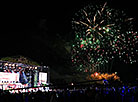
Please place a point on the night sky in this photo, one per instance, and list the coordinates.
(32, 29)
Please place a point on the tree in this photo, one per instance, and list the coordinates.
(20, 59)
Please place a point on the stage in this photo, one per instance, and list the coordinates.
(19, 75)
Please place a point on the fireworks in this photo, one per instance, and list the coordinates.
(128, 52)
(99, 76)
(102, 34)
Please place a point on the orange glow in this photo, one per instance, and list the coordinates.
(96, 74)
(106, 76)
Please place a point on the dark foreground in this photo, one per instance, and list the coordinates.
(89, 94)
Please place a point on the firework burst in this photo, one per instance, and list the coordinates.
(102, 34)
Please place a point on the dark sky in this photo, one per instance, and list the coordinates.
(27, 28)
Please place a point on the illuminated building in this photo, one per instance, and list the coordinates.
(19, 75)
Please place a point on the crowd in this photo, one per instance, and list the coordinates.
(87, 94)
